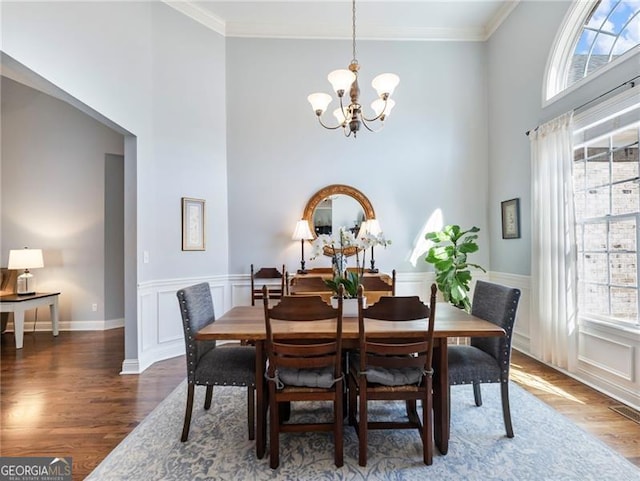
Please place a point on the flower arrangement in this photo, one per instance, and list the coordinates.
(342, 241)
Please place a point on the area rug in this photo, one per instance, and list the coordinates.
(546, 447)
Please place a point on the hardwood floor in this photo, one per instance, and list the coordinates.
(64, 396)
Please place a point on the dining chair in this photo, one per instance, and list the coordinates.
(487, 359)
(393, 369)
(309, 285)
(208, 364)
(261, 277)
(303, 369)
(378, 285)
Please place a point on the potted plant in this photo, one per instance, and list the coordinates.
(449, 254)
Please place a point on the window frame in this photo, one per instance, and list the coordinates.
(554, 85)
(603, 121)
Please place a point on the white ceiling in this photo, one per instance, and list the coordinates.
(471, 20)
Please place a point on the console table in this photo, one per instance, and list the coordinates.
(19, 304)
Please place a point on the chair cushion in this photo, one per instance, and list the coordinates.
(388, 376)
(322, 377)
(233, 365)
(468, 364)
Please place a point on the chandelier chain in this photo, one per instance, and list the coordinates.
(353, 25)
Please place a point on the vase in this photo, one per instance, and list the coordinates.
(349, 305)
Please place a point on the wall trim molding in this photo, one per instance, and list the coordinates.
(44, 326)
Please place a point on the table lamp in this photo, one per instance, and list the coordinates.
(25, 259)
(302, 233)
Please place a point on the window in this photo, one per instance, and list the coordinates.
(594, 34)
(611, 29)
(606, 175)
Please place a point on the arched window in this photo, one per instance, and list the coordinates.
(594, 34)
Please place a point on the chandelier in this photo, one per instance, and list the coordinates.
(350, 117)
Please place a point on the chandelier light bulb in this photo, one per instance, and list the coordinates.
(385, 84)
(341, 80)
(319, 102)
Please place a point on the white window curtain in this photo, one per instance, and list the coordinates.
(553, 251)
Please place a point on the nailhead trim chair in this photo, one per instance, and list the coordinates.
(487, 359)
(210, 365)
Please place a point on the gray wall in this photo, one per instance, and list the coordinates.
(517, 56)
(114, 236)
(53, 190)
(160, 76)
(431, 155)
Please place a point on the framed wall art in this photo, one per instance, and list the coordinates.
(192, 224)
(511, 219)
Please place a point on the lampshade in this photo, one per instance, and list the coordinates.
(302, 231)
(378, 106)
(385, 83)
(373, 226)
(341, 80)
(339, 115)
(319, 102)
(25, 258)
(363, 229)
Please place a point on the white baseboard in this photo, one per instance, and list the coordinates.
(69, 325)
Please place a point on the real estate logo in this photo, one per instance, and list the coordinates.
(35, 469)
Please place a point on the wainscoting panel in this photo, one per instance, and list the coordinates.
(169, 318)
(613, 357)
(147, 319)
(159, 321)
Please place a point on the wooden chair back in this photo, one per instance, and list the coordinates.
(307, 284)
(390, 353)
(263, 275)
(300, 353)
(382, 283)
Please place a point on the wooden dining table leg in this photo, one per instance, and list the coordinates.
(441, 411)
(261, 402)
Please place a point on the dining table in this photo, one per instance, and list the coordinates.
(248, 323)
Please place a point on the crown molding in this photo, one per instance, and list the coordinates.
(332, 33)
(502, 14)
(325, 31)
(198, 14)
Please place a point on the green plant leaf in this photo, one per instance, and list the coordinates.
(468, 247)
(449, 258)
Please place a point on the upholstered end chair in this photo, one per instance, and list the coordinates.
(487, 359)
(208, 364)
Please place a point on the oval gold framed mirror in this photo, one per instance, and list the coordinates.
(334, 206)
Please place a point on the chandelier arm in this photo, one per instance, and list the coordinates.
(379, 116)
(327, 126)
(364, 122)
